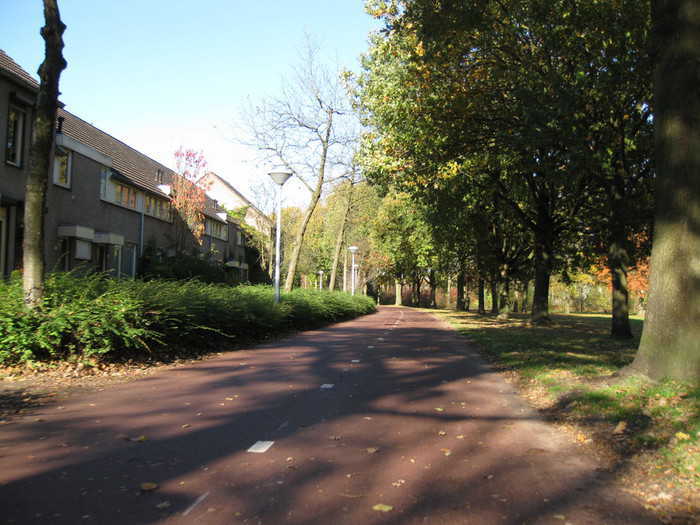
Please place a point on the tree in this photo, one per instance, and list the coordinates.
(306, 129)
(43, 133)
(188, 197)
(670, 344)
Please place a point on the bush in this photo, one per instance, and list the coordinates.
(96, 317)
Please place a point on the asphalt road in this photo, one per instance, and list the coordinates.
(390, 418)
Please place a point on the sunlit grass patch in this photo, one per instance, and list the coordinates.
(571, 365)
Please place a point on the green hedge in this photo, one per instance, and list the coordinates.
(90, 317)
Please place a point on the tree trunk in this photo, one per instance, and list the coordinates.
(618, 261)
(431, 280)
(543, 269)
(416, 291)
(315, 196)
(482, 298)
(526, 296)
(494, 295)
(40, 156)
(460, 290)
(398, 300)
(339, 239)
(448, 299)
(670, 345)
(505, 300)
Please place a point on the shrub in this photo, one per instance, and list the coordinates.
(98, 317)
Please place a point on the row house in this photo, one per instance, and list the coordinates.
(108, 205)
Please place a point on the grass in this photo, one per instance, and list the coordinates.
(568, 368)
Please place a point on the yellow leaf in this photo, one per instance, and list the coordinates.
(148, 486)
(381, 507)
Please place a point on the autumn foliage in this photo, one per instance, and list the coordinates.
(188, 193)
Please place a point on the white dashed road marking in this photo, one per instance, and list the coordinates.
(261, 447)
(199, 500)
(327, 386)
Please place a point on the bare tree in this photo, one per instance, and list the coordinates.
(306, 129)
(43, 133)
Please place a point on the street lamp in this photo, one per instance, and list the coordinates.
(279, 177)
(320, 279)
(353, 250)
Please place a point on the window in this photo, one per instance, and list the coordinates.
(159, 176)
(216, 229)
(62, 168)
(15, 136)
(125, 195)
(157, 208)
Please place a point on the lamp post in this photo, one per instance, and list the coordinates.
(320, 279)
(279, 177)
(353, 250)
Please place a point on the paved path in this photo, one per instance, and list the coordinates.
(413, 420)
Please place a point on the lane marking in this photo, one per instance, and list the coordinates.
(260, 447)
(199, 500)
(327, 386)
(355, 360)
(370, 348)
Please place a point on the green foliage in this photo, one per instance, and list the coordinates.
(95, 317)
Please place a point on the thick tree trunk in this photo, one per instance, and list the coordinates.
(481, 298)
(416, 291)
(526, 296)
(339, 240)
(431, 281)
(398, 300)
(670, 345)
(40, 154)
(460, 290)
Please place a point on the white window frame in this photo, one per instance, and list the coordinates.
(69, 168)
(19, 136)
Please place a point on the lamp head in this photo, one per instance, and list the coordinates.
(353, 249)
(280, 176)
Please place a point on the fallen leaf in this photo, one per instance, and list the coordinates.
(335, 438)
(381, 507)
(682, 436)
(398, 482)
(460, 436)
(446, 451)
(442, 433)
(290, 459)
(163, 505)
(138, 439)
(229, 399)
(439, 409)
(186, 425)
(372, 450)
(149, 486)
(620, 428)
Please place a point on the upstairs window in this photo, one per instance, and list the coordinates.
(157, 208)
(15, 136)
(216, 229)
(125, 195)
(159, 176)
(62, 168)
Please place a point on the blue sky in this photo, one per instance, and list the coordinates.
(161, 73)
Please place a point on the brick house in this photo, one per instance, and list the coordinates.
(107, 204)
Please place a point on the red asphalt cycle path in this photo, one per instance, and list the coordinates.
(414, 421)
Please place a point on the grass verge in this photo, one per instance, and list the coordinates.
(568, 371)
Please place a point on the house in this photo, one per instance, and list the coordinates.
(224, 193)
(107, 204)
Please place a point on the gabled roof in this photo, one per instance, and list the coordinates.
(14, 71)
(134, 165)
(238, 194)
